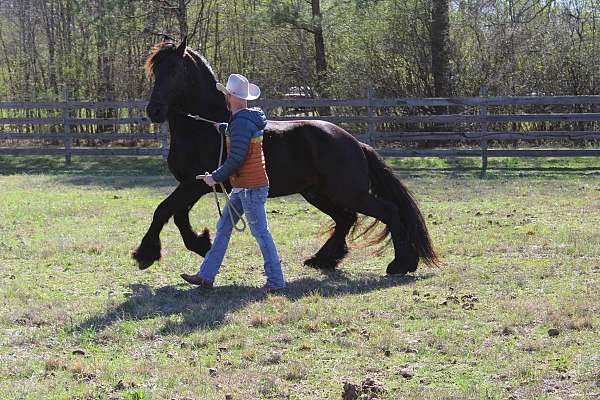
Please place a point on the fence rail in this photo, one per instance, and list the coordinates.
(64, 123)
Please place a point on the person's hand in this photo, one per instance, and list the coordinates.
(216, 125)
(208, 179)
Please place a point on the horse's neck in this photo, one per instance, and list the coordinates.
(189, 135)
(217, 110)
(193, 144)
(205, 102)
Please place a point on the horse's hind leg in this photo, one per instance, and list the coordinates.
(335, 248)
(405, 256)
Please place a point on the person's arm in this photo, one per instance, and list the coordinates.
(240, 143)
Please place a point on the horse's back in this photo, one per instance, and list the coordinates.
(308, 155)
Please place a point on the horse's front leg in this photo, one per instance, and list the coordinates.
(185, 195)
(198, 243)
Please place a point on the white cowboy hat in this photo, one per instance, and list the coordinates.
(238, 86)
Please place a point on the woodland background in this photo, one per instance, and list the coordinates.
(327, 48)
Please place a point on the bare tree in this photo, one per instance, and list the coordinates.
(291, 14)
(440, 60)
(179, 9)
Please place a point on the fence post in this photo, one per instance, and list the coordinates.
(370, 124)
(483, 128)
(265, 108)
(164, 140)
(66, 117)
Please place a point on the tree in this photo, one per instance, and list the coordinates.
(440, 60)
(404, 47)
(293, 14)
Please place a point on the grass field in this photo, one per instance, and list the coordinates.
(513, 313)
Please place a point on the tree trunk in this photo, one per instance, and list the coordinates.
(320, 59)
(181, 13)
(48, 11)
(440, 64)
(24, 23)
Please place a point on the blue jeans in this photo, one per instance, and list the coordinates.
(252, 203)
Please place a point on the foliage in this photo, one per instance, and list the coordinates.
(96, 48)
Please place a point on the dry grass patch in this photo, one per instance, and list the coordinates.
(261, 320)
(574, 316)
(79, 370)
(292, 313)
(525, 311)
(294, 371)
(313, 325)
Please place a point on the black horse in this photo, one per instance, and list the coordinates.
(325, 164)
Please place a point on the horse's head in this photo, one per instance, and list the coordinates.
(167, 65)
(183, 80)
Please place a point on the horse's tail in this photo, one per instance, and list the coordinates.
(386, 185)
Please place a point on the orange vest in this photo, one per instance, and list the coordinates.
(252, 172)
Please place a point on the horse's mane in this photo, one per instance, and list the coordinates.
(165, 48)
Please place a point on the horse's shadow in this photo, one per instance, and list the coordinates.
(203, 309)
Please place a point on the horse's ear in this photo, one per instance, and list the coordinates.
(182, 46)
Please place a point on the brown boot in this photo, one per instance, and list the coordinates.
(196, 280)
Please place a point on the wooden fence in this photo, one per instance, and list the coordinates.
(66, 122)
(395, 127)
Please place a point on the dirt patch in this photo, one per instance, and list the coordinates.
(369, 389)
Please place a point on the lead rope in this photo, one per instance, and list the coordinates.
(229, 203)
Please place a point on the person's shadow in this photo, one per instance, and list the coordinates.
(205, 308)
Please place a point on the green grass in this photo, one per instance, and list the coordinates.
(520, 252)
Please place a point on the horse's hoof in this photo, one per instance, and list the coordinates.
(145, 256)
(142, 264)
(320, 263)
(400, 268)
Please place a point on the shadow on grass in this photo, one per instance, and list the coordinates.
(119, 182)
(80, 165)
(134, 171)
(205, 308)
(109, 172)
(498, 168)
